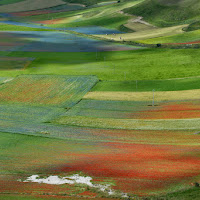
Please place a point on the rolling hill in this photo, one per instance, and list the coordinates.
(167, 12)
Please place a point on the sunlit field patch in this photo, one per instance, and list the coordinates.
(144, 96)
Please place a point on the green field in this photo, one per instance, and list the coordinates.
(88, 2)
(148, 85)
(3, 79)
(28, 114)
(93, 16)
(129, 124)
(3, 2)
(116, 66)
(7, 63)
(167, 13)
(187, 37)
(7, 27)
(194, 26)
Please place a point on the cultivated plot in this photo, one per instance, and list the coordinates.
(136, 110)
(46, 90)
(115, 164)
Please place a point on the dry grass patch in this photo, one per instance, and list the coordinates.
(146, 34)
(131, 124)
(30, 5)
(145, 96)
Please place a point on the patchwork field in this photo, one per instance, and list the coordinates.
(46, 90)
(85, 117)
(21, 113)
(148, 115)
(136, 110)
(87, 157)
(145, 96)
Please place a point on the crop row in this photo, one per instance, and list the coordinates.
(136, 110)
(30, 114)
(46, 89)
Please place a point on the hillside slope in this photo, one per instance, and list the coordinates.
(29, 5)
(88, 2)
(167, 12)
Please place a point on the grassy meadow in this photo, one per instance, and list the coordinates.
(187, 37)
(134, 65)
(167, 13)
(5, 2)
(9, 27)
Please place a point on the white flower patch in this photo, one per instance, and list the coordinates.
(53, 180)
(74, 179)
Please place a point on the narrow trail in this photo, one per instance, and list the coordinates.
(136, 19)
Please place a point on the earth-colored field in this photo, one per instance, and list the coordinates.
(145, 96)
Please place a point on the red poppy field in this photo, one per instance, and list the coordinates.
(176, 110)
(136, 169)
(137, 110)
